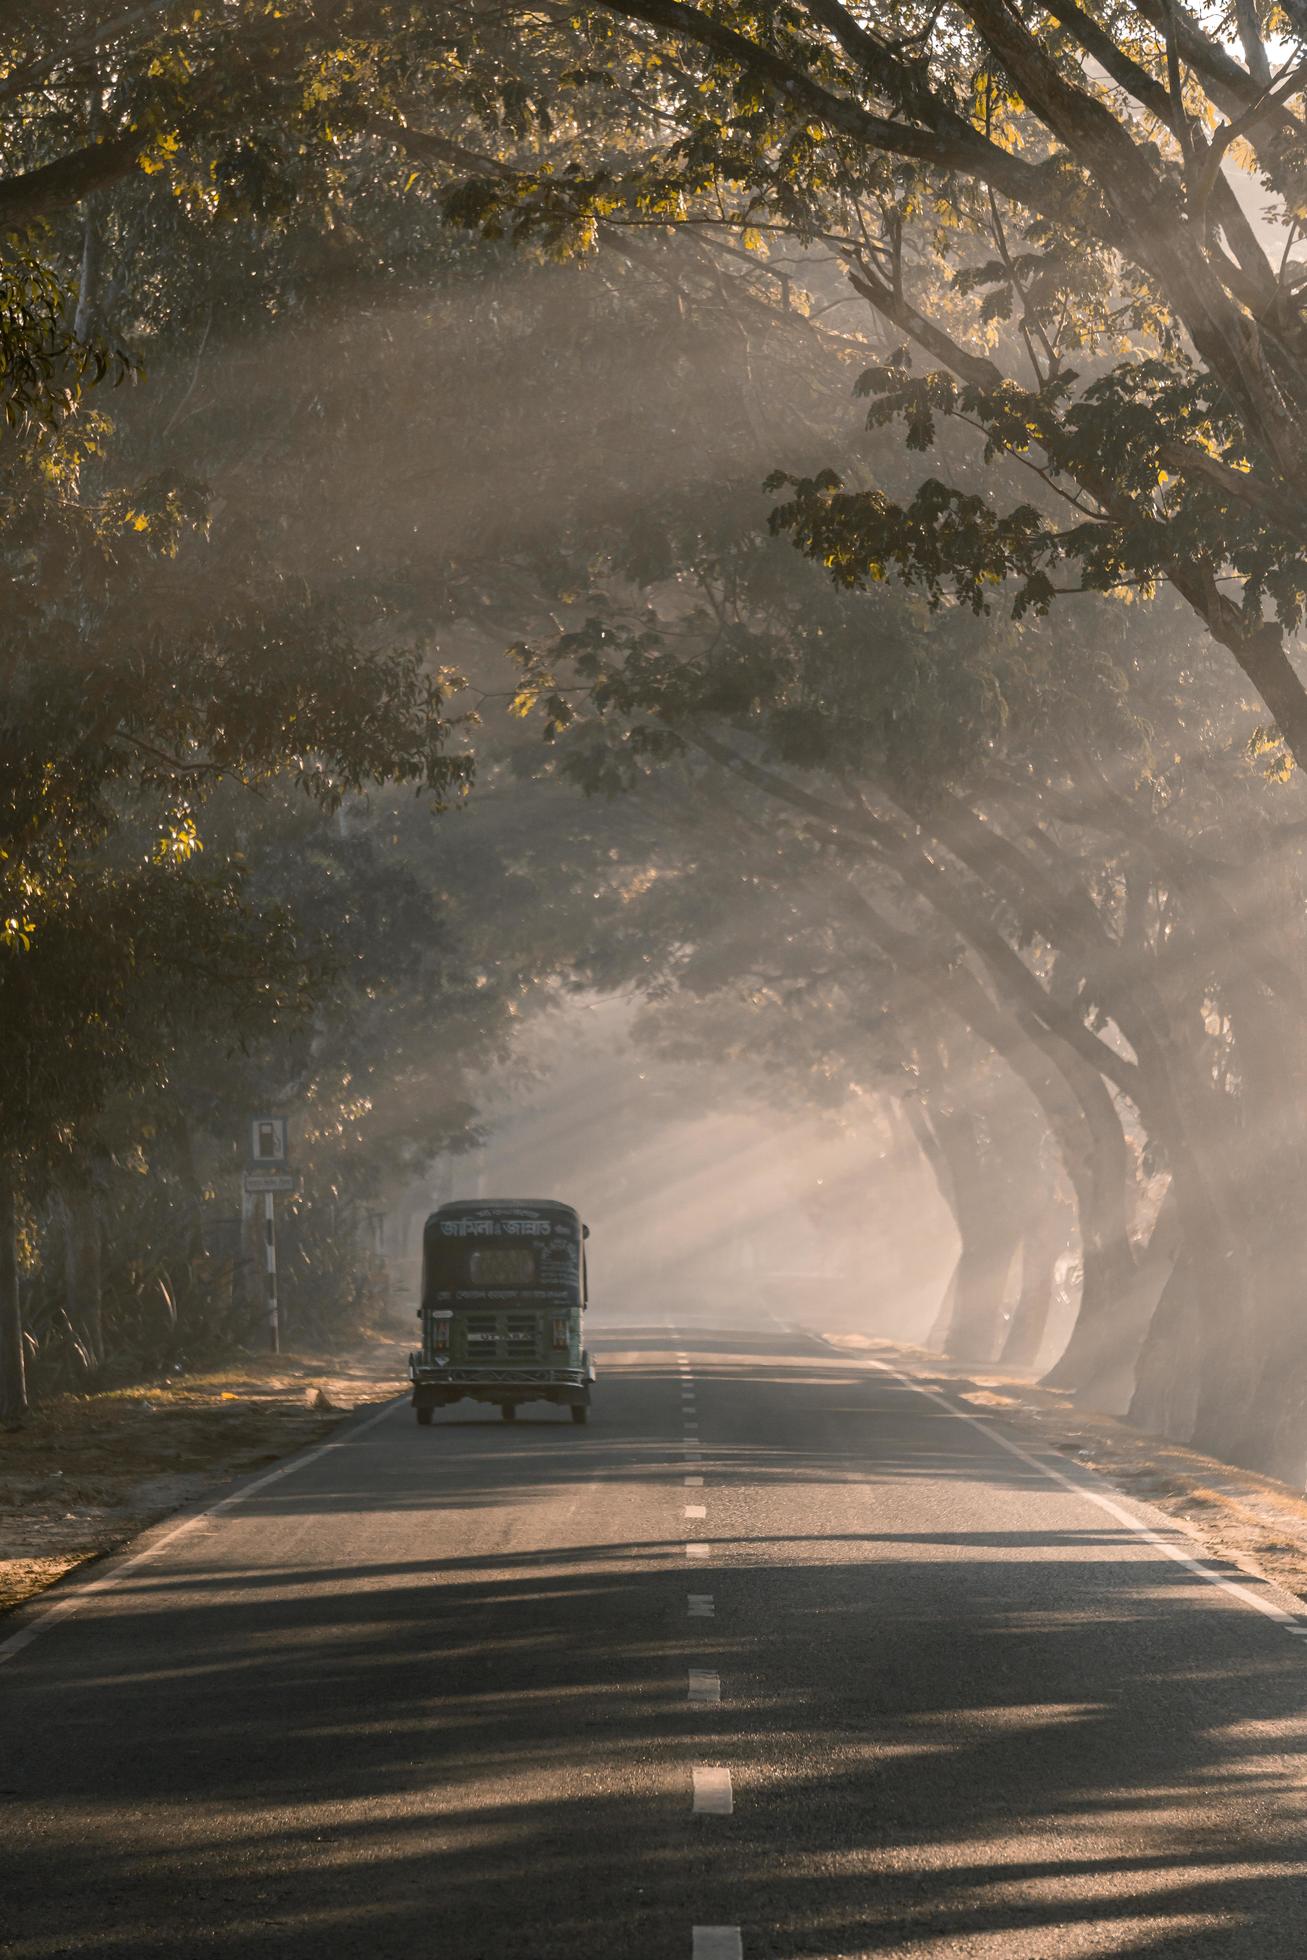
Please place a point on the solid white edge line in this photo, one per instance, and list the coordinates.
(79, 1595)
(1100, 1498)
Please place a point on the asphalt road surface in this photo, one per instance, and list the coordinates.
(780, 1656)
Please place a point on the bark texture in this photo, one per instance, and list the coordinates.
(13, 1370)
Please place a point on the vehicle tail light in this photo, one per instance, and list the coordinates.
(560, 1330)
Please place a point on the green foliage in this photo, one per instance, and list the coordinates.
(223, 588)
(943, 541)
(43, 368)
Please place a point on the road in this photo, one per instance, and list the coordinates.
(450, 1692)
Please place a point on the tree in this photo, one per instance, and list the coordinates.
(985, 802)
(972, 780)
(1086, 151)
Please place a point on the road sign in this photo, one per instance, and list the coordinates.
(269, 1148)
(267, 1178)
(271, 1183)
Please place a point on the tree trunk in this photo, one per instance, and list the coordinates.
(178, 1133)
(1083, 1121)
(1224, 1366)
(13, 1369)
(1252, 1395)
(988, 1250)
(1251, 1399)
(923, 1130)
(937, 1338)
(988, 1232)
(1044, 1242)
(1166, 1390)
(86, 319)
(1099, 1168)
(82, 1269)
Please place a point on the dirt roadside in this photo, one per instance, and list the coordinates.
(87, 1472)
(1253, 1521)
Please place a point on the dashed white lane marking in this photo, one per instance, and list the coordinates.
(691, 1482)
(700, 1606)
(713, 1796)
(70, 1601)
(704, 1685)
(696, 1510)
(696, 1551)
(716, 1943)
(1100, 1498)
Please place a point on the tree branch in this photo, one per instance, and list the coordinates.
(919, 872)
(56, 186)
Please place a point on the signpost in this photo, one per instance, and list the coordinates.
(269, 1183)
(268, 1144)
(267, 1175)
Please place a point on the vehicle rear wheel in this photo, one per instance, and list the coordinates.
(508, 1410)
(580, 1412)
(424, 1416)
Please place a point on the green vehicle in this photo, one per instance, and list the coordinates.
(503, 1294)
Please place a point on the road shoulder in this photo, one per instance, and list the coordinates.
(1250, 1521)
(88, 1473)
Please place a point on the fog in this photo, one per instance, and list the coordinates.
(701, 1201)
(850, 949)
(928, 998)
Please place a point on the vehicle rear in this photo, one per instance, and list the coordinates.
(502, 1308)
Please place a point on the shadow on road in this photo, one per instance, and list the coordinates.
(949, 1733)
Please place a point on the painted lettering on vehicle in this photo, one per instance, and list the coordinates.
(494, 1228)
